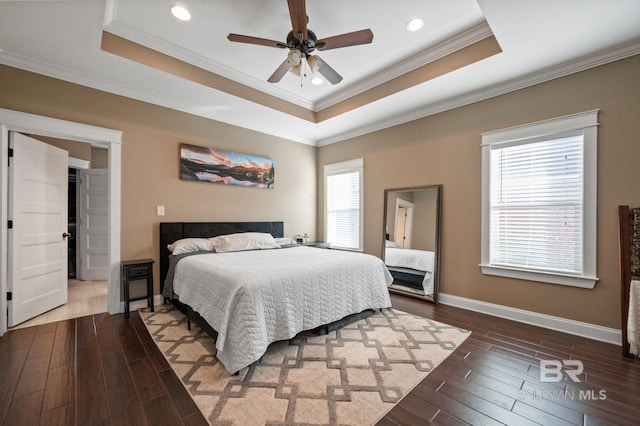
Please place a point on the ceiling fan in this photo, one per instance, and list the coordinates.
(301, 41)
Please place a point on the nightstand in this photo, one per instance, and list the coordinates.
(317, 244)
(136, 270)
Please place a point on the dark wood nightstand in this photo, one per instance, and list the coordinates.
(134, 270)
(317, 244)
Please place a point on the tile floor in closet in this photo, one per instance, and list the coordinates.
(84, 298)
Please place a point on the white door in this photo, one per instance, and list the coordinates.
(93, 224)
(37, 259)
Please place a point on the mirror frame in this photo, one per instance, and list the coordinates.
(437, 255)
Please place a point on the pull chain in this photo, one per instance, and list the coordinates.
(304, 71)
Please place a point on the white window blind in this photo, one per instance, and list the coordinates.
(539, 201)
(536, 205)
(343, 188)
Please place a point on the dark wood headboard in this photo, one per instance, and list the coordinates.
(172, 231)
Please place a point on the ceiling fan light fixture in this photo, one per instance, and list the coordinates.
(294, 57)
(295, 70)
(317, 81)
(415, 24)
(180, 12)
(314, 63)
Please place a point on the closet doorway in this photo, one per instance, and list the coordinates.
(87, 230)
(108, 139)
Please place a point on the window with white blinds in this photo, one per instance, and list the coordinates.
(539, 201)
(536, 205)
(343, 201)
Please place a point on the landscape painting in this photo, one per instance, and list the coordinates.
(200, 163)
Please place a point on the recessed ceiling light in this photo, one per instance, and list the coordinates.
(316, 81)
(415, 24)
(180, 12)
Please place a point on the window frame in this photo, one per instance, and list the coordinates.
(349, 166)
(585, 124)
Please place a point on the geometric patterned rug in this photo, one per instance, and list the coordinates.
(352, 376)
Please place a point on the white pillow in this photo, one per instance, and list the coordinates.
(391, 244)
(285, 241)
(244, 241)
(188, 245)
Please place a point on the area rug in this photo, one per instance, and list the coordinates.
(352, 376)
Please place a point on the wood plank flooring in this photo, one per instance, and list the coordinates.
(106, 370)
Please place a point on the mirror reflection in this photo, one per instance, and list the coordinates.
(412, 240)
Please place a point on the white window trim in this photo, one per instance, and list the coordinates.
(585, 123)
(346, 166)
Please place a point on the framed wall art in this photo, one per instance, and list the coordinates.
(200, 163)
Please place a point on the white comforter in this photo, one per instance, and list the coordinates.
(254, 298)
(419, 260)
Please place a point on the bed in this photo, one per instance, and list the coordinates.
(629, 240)
(249, 299)
(411, 267)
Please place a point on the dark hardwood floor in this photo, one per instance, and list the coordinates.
(106, 370)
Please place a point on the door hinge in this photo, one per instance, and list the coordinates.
(9, 295)
(10, 224)
(10, 156)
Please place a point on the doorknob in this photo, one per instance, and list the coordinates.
(66, 235)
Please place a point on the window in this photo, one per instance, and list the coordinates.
(343, 204)
(539, 201)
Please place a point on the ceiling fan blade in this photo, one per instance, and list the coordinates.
(343, 40)
(256, 40)
(298, 13)
(329, 73)
(280, 72)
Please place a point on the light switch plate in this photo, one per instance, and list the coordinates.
(160, 210)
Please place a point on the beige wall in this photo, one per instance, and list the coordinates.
(446, 150)
(150, 161)
(447, 146)
(425, 209)
(99, 158)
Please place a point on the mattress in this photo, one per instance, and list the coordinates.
(254, 298)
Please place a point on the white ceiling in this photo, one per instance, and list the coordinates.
(540, 40)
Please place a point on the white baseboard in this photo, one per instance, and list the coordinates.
(591, 331)
(142, 303)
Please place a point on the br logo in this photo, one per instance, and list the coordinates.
(554, 370)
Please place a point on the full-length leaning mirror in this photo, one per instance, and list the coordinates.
(411, 233)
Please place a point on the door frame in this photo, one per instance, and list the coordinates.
(15, 121)
(408, 223)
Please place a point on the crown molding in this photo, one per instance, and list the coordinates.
(110, 11)
(623, 51)
(150, 41)
(440, 50)
(54, 71)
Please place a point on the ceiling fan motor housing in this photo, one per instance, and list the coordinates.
(305, 46)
